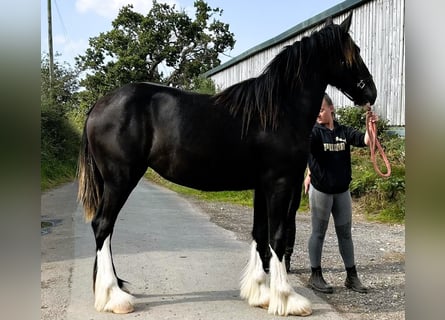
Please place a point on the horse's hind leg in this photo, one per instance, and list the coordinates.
(291, 228)
(108, 293)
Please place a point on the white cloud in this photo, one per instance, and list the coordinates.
(75, 47)
(69, 48)
(110, 8)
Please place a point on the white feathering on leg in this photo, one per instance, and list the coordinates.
(283, 299)
(108, 295)
(253, 281)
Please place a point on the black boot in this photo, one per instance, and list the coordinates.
(353, 282)
(317, 282)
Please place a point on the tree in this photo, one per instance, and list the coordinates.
(164, 46)
(64, 85)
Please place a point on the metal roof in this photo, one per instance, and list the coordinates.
(301, 27)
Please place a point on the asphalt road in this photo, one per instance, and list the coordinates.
(178, 264)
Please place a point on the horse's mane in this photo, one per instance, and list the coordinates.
(262, 96)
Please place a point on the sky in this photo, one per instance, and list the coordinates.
(251, 21)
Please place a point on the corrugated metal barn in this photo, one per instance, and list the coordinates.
(378, 28)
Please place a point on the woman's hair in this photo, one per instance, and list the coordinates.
(328, 99)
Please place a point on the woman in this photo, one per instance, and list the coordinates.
(327, 180)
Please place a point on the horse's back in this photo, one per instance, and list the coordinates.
(182, 135)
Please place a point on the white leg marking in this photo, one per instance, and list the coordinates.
(283, 298)
(108, 295)
(254, 288)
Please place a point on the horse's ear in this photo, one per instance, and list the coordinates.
(329, 22)
(346, 24)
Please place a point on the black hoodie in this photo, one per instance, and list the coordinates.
(330, 157)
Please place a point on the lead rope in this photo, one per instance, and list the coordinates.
(371, 128)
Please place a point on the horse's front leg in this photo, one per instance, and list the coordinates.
(254, 287)
(283, 298)
(108, 293)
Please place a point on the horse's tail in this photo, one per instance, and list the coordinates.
(90, 180)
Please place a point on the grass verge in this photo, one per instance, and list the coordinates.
(244, 198)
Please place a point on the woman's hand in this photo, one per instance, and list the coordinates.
(307, 183)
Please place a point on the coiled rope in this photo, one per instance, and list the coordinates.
(371, 128)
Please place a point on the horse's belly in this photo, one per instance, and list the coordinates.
(210, 173)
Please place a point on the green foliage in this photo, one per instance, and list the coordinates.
(203, 85)
(59, 139)
(65, 83)
(59, 149)
(304, 202)
(164, 46)
(381, 199)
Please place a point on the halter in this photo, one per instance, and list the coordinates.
(361, 84)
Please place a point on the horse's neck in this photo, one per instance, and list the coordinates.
(311, 80)
(306, 103)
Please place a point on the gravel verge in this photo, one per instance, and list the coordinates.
(379, 255)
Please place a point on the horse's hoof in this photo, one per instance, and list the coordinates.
(122, 309)
(264, 306)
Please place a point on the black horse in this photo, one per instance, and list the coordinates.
(253, 135)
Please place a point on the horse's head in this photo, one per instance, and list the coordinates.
(346, 69)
